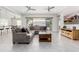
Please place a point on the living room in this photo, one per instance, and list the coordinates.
(39, 28)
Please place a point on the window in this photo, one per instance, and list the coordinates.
(39, 21)
(3, 22)
(18, 22)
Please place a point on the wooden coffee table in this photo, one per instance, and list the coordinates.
(45, 36)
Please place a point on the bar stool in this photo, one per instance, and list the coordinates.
(7, 29)
(1, 29)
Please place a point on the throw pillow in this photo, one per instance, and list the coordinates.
(23, 30)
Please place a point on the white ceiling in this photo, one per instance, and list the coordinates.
(66, 10)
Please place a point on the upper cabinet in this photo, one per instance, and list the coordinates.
(72, 20)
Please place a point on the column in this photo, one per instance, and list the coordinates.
(55, 23)
(61, 21)
(24, 21)
(13, 21)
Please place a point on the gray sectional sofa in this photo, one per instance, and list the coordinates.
(41, 28)
(22, 37)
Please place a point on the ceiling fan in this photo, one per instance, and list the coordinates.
(29, 8)
(49, 8)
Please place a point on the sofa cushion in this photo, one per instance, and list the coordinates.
(27, 30)
(23, 30)
(18, 30)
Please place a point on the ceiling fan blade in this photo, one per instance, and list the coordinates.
(49, 8)
(52, 7)
(27, 7)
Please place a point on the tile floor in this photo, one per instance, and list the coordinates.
(59, 44)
